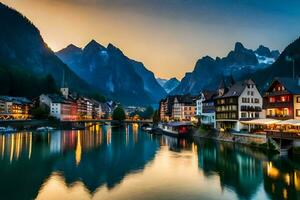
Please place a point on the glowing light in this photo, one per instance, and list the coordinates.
(30, 145)
(78, 150)
(272, 171)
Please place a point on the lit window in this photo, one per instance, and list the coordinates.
(286, 111)
(298, 112)
(272, 99)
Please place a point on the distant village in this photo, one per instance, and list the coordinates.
(238, 106)
(66, 106)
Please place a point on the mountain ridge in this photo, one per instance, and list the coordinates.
(124, 79)
(238, 63)
(22, 46)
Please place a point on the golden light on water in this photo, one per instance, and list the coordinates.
(78, 149)
(272, 171)
(15, 145)
(174, 171)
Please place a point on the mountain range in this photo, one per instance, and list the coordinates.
(168, 85)
(108, 70)
(22, 47)
(282, 67)
(238, 63)
(25, 57)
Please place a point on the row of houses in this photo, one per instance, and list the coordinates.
(234, 103)
(14, 108)
(64, 106)
(68, 107)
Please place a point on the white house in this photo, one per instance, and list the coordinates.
(241, 102)
(205, 108)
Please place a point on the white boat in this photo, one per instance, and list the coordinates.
(7, 129)
(45, 129)
(148, 129)
(176, 129)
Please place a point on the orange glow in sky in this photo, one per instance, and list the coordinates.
(167, 36)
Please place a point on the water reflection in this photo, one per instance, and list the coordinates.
(237, 170)
(111, 163)
(281, 180)
(15, 146)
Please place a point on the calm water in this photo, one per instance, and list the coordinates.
(106, 163)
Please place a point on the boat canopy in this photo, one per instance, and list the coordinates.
(179, 124)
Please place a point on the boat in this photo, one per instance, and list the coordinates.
(176, 129)
(156, 131)
(45, 129)
(148, 129)
(7, 129)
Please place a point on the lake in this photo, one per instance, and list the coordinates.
(126, 163)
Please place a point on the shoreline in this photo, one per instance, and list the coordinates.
(261, 146)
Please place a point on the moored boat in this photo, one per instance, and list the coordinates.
(45, 129)
(176, 129)
(7, 129)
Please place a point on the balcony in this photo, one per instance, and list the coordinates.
(268, 104)
(251, 108)
(276, 93)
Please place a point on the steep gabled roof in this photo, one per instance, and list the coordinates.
(16, 100)
(209, 95)
(237, 89)
(290, 84)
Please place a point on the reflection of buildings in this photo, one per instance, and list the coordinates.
(80, 156)
(281, 180)
(109, 157)
(176, 144)
(15, 146)
(237, 170)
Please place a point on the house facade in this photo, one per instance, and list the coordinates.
(184, 108)
(282, 99)
(166, 108)
(240, 102)
(14, 108)
(205, 108)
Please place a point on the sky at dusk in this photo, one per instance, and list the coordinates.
(168, 36)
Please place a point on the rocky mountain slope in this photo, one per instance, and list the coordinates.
(22, 47)
(168, 85)
(113, 73)
(238, 63)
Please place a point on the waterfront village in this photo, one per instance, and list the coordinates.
(234, 110)
(238, 112)
(65, 106)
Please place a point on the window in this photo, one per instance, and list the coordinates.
(244, 115)
(298, 112)
(270, 112)
(285, 111)
(272, 99)
(298, 99)
(252, 93)
(256, 100)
